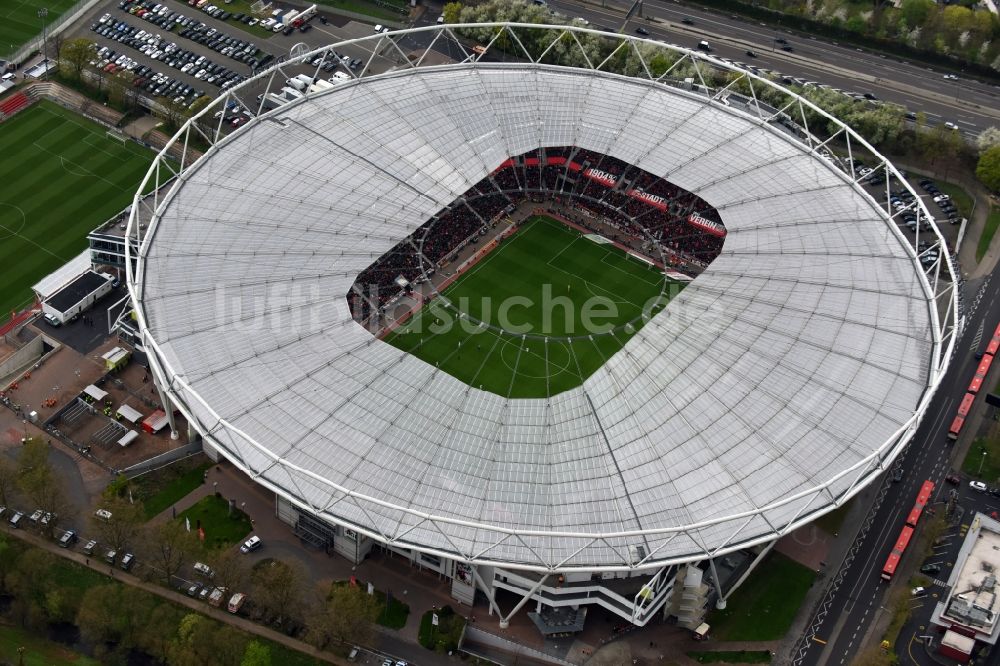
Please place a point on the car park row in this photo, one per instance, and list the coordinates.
(157, 48)
(162, 16)
(126, 560)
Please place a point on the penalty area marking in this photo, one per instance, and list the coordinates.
(11, 232)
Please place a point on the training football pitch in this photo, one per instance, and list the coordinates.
(539, 314)
(19, 20)
(61, 177)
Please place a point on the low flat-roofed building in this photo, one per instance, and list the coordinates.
(77, 296)
(971, 604)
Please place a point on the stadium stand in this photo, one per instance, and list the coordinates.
(11, 105)
(644, 208)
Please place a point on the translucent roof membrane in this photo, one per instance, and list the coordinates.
(750, 402)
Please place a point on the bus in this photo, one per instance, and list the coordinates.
(889, 570)
(923, 497)
(956, 428)
(981, 372)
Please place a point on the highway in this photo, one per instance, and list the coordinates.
(971, 104)
(856, 596)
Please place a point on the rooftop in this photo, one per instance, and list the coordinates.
(767, 391)
(76, 291)
(973, 599)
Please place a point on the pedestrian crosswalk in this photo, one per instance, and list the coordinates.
(978, 337)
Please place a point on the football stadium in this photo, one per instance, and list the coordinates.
(567, 317)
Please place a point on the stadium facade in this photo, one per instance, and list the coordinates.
(785, 378)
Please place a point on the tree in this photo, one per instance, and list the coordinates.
(74, 56)
(120, 88)
(452, 12)
(8, 481)
(348, 614)
(99, 614)
(172, 113)
(988, 169)
(202, 641)
(167, 547)
(231, 569)
(121, 529)
(256, 654)
(279, 589)
(157, 628)
(916, 12)
(988, 138)
(29, 582)
(37, 479)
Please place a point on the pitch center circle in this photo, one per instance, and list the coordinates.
(560, 293)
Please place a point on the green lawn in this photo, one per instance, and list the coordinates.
(765, 606)
(61, 178)
(37, 650)
(831, 522)
(558, 305)
(444, 636)
(175, 489)
(19, 21)
(394, 615)
(992, 222)
(986, 468)
(221, 529)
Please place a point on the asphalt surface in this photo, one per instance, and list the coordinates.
(971, 104)
(856, 596)
(277, 45)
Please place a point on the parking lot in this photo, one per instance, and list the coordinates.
(178, 51)
(902, 205)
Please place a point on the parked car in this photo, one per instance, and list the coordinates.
(236, 602)
(103, 514)
(88, 548)
(253, 543)
(128, 559)
(204, 570)
(931, 569)
(918, 592)
(67, 539)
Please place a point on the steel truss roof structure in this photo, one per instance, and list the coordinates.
(771, 390)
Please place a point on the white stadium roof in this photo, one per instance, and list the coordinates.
(773, 388)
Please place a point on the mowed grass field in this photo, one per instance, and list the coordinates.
(19, 20)
(557, 304)
(60, 177)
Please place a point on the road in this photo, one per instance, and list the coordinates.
(971, 104)
(856, 596)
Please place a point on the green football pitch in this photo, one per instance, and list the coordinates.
(60, 177)
(19, 20)
(539, 314)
